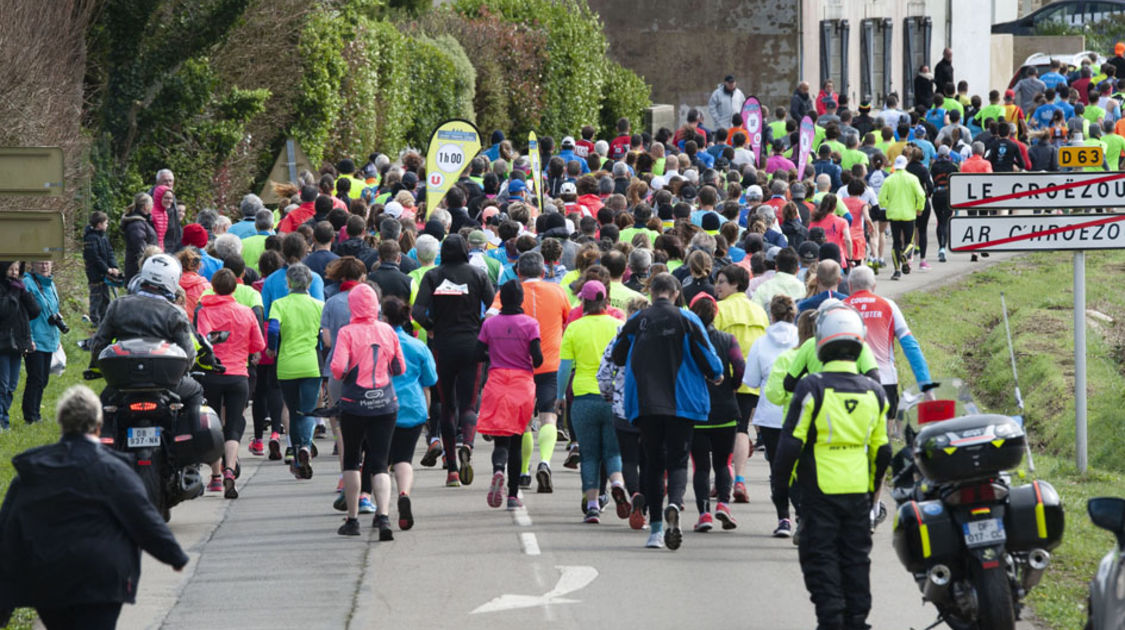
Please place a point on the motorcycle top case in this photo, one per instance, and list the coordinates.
(925, 535)
(199, 442)
(1034, 519)
(143, 363)
(968, 447)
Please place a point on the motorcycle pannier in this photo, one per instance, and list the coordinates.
(202, 442)
(143, 364)
(1034, 519)
(968, 447)
(925, 535)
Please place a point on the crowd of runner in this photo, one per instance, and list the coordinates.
(656, 314)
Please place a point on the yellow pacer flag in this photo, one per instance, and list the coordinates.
(535, 179)
(452, 145)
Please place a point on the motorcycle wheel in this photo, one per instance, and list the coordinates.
(154, 488)
(994, 599)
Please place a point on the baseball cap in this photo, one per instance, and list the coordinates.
(568, 187)
(568, 141)
(477, 238)
(865, 106)
(393, 208)
(772, 253)
(1009, 94)
(920, 130)
(687, 192)
(943, 150)
(754, 192)
(516, 186)
(592, 290)
(900, 162)
(702, 295)
(809, 252)
(730, 77)
(797, 191)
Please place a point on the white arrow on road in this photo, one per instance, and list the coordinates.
(572, 579)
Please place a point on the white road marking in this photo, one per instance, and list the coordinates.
(521, 517)
(529, 543)
(573, 578)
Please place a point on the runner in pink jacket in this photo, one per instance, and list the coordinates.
(367, 355)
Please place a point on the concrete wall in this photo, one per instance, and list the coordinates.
(684, 48)
(1025, 46)
(972, 54)
(1000, 67)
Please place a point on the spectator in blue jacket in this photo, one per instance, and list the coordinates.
(568, 155)
(44, 334)
(824, 164)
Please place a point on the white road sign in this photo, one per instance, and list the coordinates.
(1037, 232)
(991, 191)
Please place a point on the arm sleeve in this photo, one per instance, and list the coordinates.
(703, 353)
(621, 346)
(910, 347)
(340, 356)
(273, 335)
(774, 389)
(257, 343)
(565, 366)
(398, 362)
(139, 518)
(752, 374)
(93, 259)
(481, 351)
(30, 304)
(536, 352)
(428, 377)
(421, 310)
(737, 364)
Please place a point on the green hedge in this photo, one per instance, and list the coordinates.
(625, 95)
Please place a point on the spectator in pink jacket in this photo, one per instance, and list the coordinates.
(163, 201)
(367, 354)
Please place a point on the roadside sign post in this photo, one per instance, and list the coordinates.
(1045, 232)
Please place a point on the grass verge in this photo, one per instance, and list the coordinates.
(73, 295)
(961, 332)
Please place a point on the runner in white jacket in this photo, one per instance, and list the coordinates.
(780, 337)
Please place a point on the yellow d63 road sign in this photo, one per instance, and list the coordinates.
(1080, 156)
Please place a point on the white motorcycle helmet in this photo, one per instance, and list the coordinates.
(161, 272)
(839, 332)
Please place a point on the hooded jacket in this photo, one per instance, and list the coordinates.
(97, 254)
(43, 333)
(667, 356)
(92, 555)
(222, 312)
(779, 337)
(17, 308)
(745, 320)
(453, 296)
(139, 233)
(193, 285)
(359, 249)
(723, 105)
(367, 355)
(159, 215)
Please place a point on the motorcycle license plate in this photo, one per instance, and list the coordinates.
(983, 533)
(143, 436)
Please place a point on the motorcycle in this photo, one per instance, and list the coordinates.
(975, 540)
(146, 418)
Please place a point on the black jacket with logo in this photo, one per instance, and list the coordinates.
(453, 296)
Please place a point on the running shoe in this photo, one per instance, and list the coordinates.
(366, 506)
(592, 516)
(340, 484)
(637, 511)
(514, 503)
(496, 490)
(432, 453)
(655, 539)
(229, 491)
(349, 528)
(313, 449)
(705, 524)
(924, 266)
(216, 484)
(383, 524)
(257, 447)
(341, 502)
(562, 434)
(452, 479)
(573, 457)
(723, 515)
(405, 512)
(525, 481)
(673, 537)
(941, 255)
(275, 446)
(289, 454)
(320, 431)
(621, 501)
(897, 275)
(784, 529)
(797, 533)
(740, 494)
(906, 268)
(304, 458)
(465, 459)
(543, 479)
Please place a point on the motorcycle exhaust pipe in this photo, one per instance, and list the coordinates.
(936, 588)
(1037, 562)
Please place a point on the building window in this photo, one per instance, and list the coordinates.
(834, 54)
(875, 59)
(916, 36)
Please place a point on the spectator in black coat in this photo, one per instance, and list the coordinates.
(101, 263)
(77, 566)
(391, 280)
(17, 308)
(139, 233)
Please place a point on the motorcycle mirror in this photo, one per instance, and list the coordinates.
(218, 336)
(1109, 513)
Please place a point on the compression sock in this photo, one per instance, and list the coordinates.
(527, 445)
(548, 435)
(739, 479)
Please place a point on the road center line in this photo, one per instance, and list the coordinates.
(529, 543)
(521, 517)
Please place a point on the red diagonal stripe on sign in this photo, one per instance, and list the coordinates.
(1040, 191)
(1030, 235)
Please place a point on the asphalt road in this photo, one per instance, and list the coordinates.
(272, 558)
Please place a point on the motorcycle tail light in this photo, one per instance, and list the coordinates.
(144, 462)
(107, 440)
(987, 492)
(142, 406)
